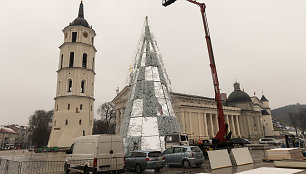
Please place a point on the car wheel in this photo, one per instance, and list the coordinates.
(86, 170)
(138, 168)
(186, 164)
(66, 168)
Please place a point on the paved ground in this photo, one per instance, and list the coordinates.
(257, 156)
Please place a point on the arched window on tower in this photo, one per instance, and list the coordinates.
(74, 36)
(83, 86)
(69, 85)
(66, 123)
(80, 122)
(81, 107)
(71, 60)
(62, 58)
(84, 62)
(83, 133)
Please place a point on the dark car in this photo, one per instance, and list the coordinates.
(185, 156)
(239, 141)
(139, 161)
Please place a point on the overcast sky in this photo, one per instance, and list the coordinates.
(259, 43)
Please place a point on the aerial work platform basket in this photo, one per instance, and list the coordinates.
(167, 2)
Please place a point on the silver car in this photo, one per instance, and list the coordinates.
(269, 141)
(139, 161)
(185, 156)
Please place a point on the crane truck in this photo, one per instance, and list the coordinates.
(222, 137)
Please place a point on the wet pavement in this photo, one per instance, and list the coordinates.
(257, 156)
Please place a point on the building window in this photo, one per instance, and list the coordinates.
(91, 108)
(69, 85)
(81, 107)
(66, 123)
(62, 57)
(92, 40)
(68, 106)
(83, 133)
(54, 123)
(80, 122)
(56, 107)
(74, 36)
(71, 60)
(83, 86)
(84, 62)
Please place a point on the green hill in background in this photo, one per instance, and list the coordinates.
(282, 113)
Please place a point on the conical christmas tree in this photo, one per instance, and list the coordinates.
(149, 115)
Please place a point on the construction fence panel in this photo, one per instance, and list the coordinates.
(58, 167)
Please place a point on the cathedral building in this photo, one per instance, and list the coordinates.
(73, 112)
(248, 117)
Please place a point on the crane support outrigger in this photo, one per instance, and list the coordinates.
(221, 136)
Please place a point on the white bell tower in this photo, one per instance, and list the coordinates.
(73, 112)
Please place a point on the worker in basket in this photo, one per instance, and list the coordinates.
(228, 134)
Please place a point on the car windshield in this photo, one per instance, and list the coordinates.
(195, 149)
(266, 139)
(184, 138)
(172, 138)
(155, 154)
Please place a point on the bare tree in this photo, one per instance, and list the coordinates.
(40, 125)
(302, 119)
(293, 119)
(107, 123)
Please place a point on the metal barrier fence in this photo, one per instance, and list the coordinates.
(31, 167)
(114, 165)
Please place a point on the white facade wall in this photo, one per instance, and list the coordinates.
(73, 111)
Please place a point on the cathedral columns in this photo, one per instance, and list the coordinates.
(205, 125)
(227, 121)
(190, 123)
(200, 123)
(216, 125)
(232, 125)
(211, 126)
(237, 125)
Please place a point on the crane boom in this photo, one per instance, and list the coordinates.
(222, 133)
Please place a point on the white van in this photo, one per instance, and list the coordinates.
(96, 153)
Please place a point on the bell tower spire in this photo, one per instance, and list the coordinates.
(81, 10)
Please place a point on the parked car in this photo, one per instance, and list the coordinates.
(239, 141)
(269, 141)
(141, 160)
(96, 153)
(185, 156)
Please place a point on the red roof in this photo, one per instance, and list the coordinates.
(7, 130)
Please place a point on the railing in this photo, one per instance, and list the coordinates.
(116, 165)
(31, 167)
